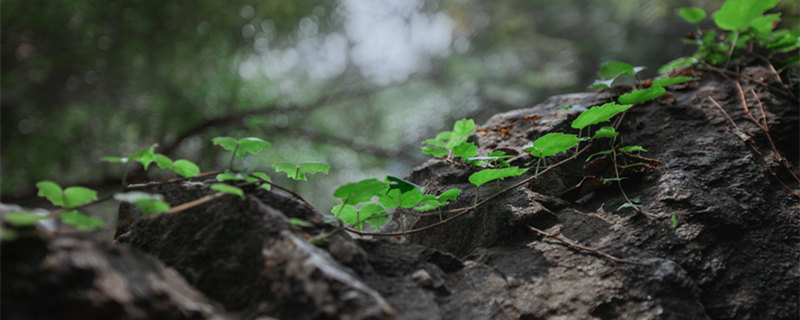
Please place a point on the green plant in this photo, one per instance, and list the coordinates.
(70, 199)
(453, 143)
(299, 171)
(241, 147)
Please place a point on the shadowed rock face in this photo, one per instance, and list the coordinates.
(733, 255)
(71, 277)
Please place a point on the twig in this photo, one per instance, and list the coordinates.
(579, 247)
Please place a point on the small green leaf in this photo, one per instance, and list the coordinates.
(362, 191)
(598, 114)
(348, 214)
(251, 145)
(677, 63)
(23, 219)
(228, 175)
(465, 150)
(566, 108)
(461, 131)
(229, 189)
(226, 143)
(613, 69)
(76, 196)
(152, 206)
(402, 184)
(605, 132)
(429, 202)
(51, 191)
(148, 203)
(261, 175)
(298, 172)
(691, 14)
(186, 168)
(80, 220)
(552, 143)
(613, 179)
(144, 156)
(481, 177)
(163, 161)
(674, 219)
(601, 153)
(642, 95)
(114, 159)
(449, 195)
(435, 152)
(638, 164)
(632, 149)
(663, 82)
(740, 14)
(391, 199)
(300, 222)
(410, 198)
(373, 214)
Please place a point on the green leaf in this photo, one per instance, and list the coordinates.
(76, 196)
(552, 143)
(605, 132)
(601, 153)
(434, 151)
(677, 63)
(765, 23)
(261, 175)
(80, 220)
(663, 82)
(638, 164)
(674, 219)
(373, 214)
(465, 150)
(229, 189)
(300, 222)
(152, 206)
(642, 95)
(362, 191)
(348, 214)
(410, 198)
(228, 175)
(52, 192)
(144, 156)
(740, 14)
(613, 69)
(632, 149)
(598, 114)
(23, 219)
(481, 177)
(226, 143)
(449, 195)
(114, 159)
(298, 172)
(402, 184)
(186, 168)
(691, 14)
(251, 145)
(391, 199)
(461, 131)
(429, 202)
(148, 203)
(163, 161)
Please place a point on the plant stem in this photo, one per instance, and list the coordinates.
(230, 164)
(733, 45)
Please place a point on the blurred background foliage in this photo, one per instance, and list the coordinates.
(355, 84)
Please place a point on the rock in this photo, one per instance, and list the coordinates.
(245, 254)
(70, 277)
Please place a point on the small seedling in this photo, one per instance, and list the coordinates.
(241, 147)
(453, 142)
(70, 198)
(299, 171)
